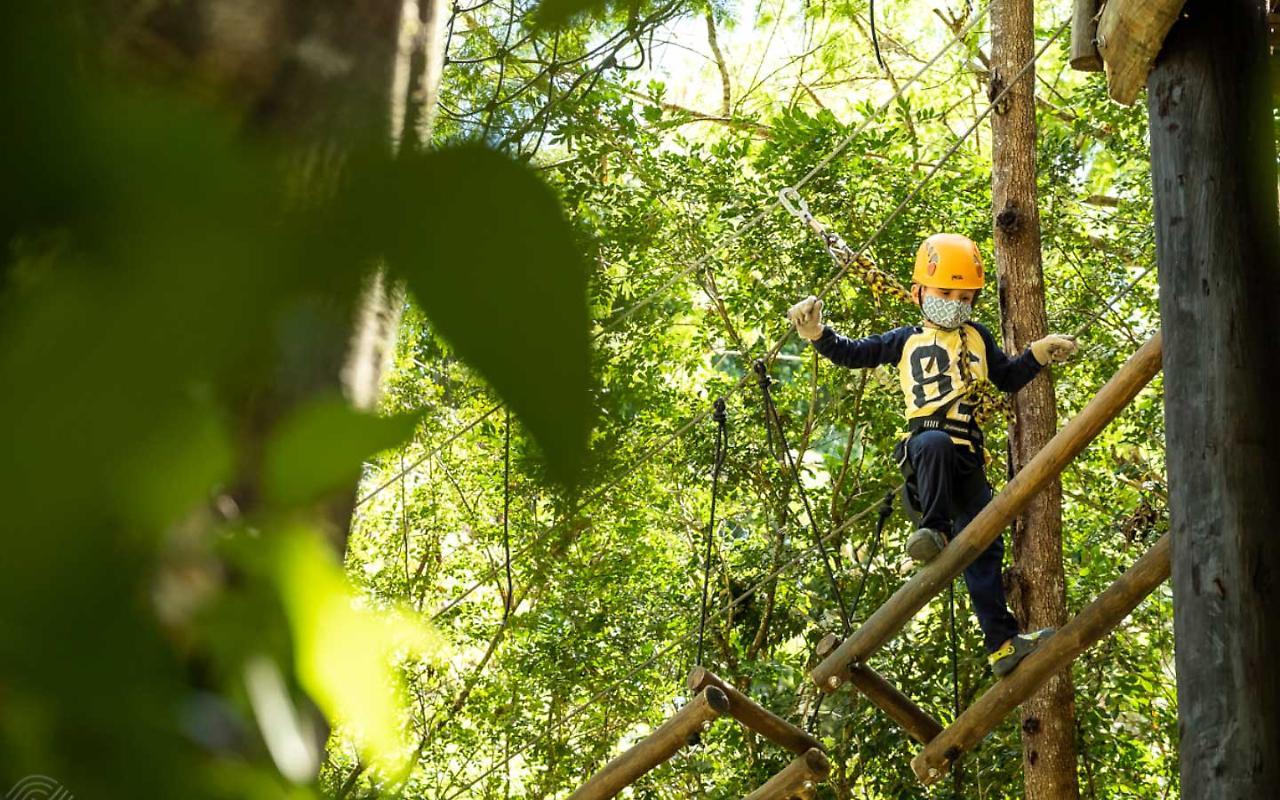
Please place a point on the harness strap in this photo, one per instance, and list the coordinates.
(969, 432)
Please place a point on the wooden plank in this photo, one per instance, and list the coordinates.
(900, 708)
(1130, 34)
(656, 748)
(890, 618)
(1084, 33)
(797, 780)
(753, 715)
(1057, 652)
(1217, 244)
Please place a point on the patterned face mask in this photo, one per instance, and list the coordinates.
(944, 313)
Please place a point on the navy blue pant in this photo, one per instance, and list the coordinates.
(952, 489)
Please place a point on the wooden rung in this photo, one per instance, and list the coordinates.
(935, 576)
(797, 780)
(753, 715)
(1055, 653)
(657, 747)
(910, 717)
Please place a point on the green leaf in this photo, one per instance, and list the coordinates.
(321, 447)
(346, 653)
(483, 245)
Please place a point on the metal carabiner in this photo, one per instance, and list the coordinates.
(800, 210)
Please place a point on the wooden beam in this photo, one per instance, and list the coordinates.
(1055, 653)
(696, 716)
(1213, 178)
(1084, 32)
(1130, 34)
(889, 618)
(910, 717)
(796, 780)
(753, 715)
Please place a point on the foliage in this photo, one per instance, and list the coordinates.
(173, 296)
(166, 272)
(608, 586)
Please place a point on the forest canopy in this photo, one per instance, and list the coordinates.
(232, 574)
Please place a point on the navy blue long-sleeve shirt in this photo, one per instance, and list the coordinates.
(928, 364)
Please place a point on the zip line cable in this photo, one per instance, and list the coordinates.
(773, 205)
(1110, 304)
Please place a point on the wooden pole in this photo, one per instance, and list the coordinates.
(1054, 654)
(887, 620)
(1084, 33)
(1218, 247)
(1130, 33)
(910, 717)
(753, 715)
(1037, 594)
(697, 715)
(797, 779)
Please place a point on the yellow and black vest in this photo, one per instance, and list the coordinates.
(928, 362)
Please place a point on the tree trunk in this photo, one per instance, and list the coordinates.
(1038, 593)
(1214, 179)
(319, 75)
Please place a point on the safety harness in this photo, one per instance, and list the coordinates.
(970, 432)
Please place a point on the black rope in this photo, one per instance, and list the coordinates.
(506, 512)
(882, 518)
(955, 678)
(771, 418)
(886, 509)
(875, 40)
(813, 715)
(722, 448)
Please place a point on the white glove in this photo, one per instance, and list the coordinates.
(807, 317)
(1054, 349)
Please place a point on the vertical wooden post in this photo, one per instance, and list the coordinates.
(1084, 32)
(1039, 596)
(1213, 172)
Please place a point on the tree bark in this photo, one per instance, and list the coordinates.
(320, 76)
(1039, 591)
(726, 106)
(1214, 180)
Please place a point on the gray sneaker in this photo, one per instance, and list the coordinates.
(1013, 651)
(925, 544)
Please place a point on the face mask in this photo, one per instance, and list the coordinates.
(944, 313)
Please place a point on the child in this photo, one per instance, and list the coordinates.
(937, 363)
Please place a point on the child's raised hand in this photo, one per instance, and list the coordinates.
(807, 317)
(1054, 349)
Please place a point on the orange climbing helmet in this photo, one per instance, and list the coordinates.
(948, 261)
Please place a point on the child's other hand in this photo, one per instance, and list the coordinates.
(1054, 349)
(807, 317)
